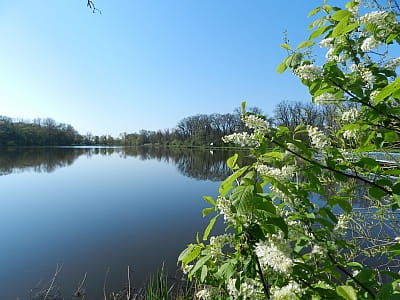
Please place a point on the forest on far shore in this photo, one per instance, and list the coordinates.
(198, 130)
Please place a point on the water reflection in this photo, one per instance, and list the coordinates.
(198, 164)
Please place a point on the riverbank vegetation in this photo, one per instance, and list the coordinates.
(280, 241)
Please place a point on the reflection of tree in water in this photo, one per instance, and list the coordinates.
(14, 160)
(194, 163)
(199, 164)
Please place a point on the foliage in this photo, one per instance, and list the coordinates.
(293, 230)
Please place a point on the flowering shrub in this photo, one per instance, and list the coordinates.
(281, 243)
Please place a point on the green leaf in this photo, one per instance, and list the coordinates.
(341, 14)
(314, 11)
(226, 270)
(277, 155)
(387, 90)
(200, 263)
(210, 200)
(286, 46)
(376, 192)
(207, 210)
(340, 27)
(385, 291)
(189, 254)
(319, 31)
(227, 184)
(391, 137)
(305, 44)
(347, 292)
(231, 162)
(242, 199)
(204, 270)
(209, 227)
(281, 67)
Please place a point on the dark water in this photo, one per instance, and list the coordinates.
(91, 209)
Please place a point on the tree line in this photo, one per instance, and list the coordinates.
(197, 130)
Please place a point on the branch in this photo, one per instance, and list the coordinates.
(343, 269)
(314, 162)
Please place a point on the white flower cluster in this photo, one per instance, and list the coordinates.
(255, 122)
(250, 289)
(365, 73)
(243, 139)
(397, 239)
(369, 44)
(221, 240)
(186, 269)
(291, 291)
(325, 98)
(330, 56)
(275, 252)
(384, 20)
(224, 207)
(374, 94)
(342, 223)
(350, 115)
(281, 174)
(309, 72)
(318, 138)
(350, 134)
(355, 8)
(208, 293)
(319, 251)
(327, 43)
(393, 64)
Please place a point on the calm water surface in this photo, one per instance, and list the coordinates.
(93, 209)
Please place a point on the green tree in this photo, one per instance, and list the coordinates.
(280, 244)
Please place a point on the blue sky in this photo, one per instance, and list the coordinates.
(145, 63)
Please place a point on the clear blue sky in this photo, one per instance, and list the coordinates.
(145, 63)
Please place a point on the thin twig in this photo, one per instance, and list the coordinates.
(128, 294)
(105, 282)
(58, 270)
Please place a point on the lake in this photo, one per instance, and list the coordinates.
(91, 209)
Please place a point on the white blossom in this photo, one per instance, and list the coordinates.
(397, 239)
(224, 207)
(369, 43)
(385, 21)
(342, 222)
(308, 72)
(374, 94)
(249, 289)
(275, 253)
(350, 134)
(325, 98)
(350, 115)
(291, 291)
(255, 122)
(186, 269)
(208, 293)
(281, 174)
(327, 43)
(365, 73)
(221, 240)
(393, 64)
(318, 138)
(318, 251)
(243, 139)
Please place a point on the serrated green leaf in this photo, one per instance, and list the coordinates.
(204, 270)
(341, 14)
(305, 44)
(207, 210)
(200, 263)
(231, 161)
(286, 46)
(189, 254)
(347, 292)
(282, 67)
(227, 184)
(387, 90)
(319, 32)
(210, 200)
(376, 192)
(340, 28)
(242, 198)
(391, 137)
(209, 227)
(314, 11)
